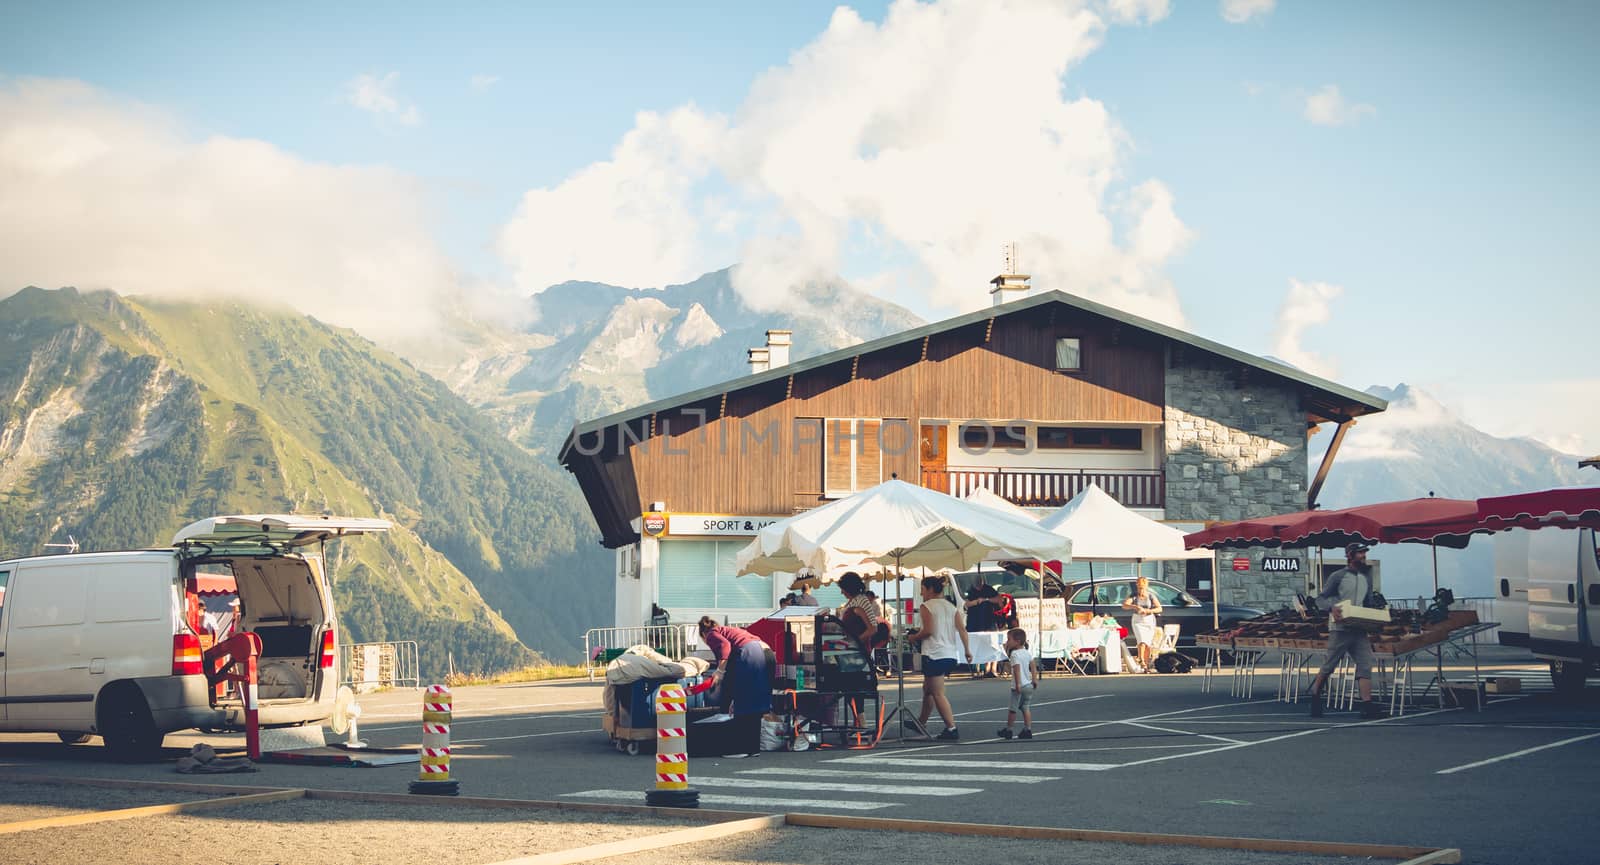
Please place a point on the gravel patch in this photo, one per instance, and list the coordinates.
(329, 832)
(19, 802)
(809, 846)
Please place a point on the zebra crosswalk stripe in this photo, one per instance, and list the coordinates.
(928, 777)
(835, 787)
(1023, 765)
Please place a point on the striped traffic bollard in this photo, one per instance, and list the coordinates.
(433, 778)
(672, 756)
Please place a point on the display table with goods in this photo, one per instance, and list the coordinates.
(827, 691)
(1300, 637)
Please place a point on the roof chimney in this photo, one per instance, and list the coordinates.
(758, 360)
(1010, 285)
(778, 342)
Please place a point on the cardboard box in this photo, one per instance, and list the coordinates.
(1464, 694)
(1503, 685)
(1360, 617)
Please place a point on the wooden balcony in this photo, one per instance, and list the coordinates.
(1052, 488)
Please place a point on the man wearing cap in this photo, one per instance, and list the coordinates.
(1352, 583)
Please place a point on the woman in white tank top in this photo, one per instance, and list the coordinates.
(942, 636)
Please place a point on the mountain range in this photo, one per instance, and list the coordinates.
(1419, 448)
(127, 418)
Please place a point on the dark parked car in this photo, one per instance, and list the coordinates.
(1193, 616)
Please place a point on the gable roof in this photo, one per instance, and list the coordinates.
(1359, 403)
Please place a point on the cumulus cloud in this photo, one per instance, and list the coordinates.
(378, 96)
(1306, 304)
(1137, 11)
(98, 193)
(1240, 11)
(481, 83)
(940, 133)
(1328, 107)
(630, 220)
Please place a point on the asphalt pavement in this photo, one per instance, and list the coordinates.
(1131, 753)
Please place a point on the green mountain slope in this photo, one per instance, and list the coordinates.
(124, 419)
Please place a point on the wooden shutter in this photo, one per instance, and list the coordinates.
(836, 456)
(869, 459)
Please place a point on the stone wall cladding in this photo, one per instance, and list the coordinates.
(1235, 450)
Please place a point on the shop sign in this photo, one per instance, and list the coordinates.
(716, 525)
(655, 524)
(1241, 564)
(1279, 564)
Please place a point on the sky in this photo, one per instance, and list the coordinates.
(1378, 193)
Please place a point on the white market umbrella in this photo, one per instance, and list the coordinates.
(900, 524)
(1104, 531)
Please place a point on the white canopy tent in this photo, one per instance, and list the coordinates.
(899, 524)
(1102, 530)
(989, 498)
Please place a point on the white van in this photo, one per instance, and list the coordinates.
(108, 643)
(1564, 603)
(1511, 586)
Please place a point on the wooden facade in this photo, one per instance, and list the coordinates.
(756, 446)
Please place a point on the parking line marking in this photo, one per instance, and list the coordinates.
(1033, 705)
(1514, 754)
(1281, 738)
(904, 776)
(1185, 733)
(635, 797)
(835, 787)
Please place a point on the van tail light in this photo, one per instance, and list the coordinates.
(327, 649)
(186, 655)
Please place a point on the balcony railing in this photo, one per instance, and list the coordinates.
(1050, 488)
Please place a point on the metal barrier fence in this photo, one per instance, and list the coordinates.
(601, 645)
(370, 666)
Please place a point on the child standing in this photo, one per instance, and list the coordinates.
(1024, 673)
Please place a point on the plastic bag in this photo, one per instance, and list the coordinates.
(773, 735)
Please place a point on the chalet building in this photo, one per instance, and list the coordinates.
(1033, 398)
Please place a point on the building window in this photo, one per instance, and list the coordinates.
(977, 438)
(1069, 354)
(700, 575)
(852, 457)
(1090, 438)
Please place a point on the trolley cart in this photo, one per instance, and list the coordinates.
(633, 718)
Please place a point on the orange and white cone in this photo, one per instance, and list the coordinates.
(672, 751)
(433, 779)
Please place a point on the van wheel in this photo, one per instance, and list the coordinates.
(126, 725)
(1568, 676)
(73, 738)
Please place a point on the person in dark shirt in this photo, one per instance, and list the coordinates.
(980, 601)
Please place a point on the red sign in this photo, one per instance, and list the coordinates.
(1241, 564)
(655, 524)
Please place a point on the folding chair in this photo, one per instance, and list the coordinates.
(1079, 659)
(1168, 641)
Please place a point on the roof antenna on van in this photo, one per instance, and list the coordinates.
(70, 546)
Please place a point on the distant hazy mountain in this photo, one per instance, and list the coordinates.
(593, 349)
(1418, 447)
